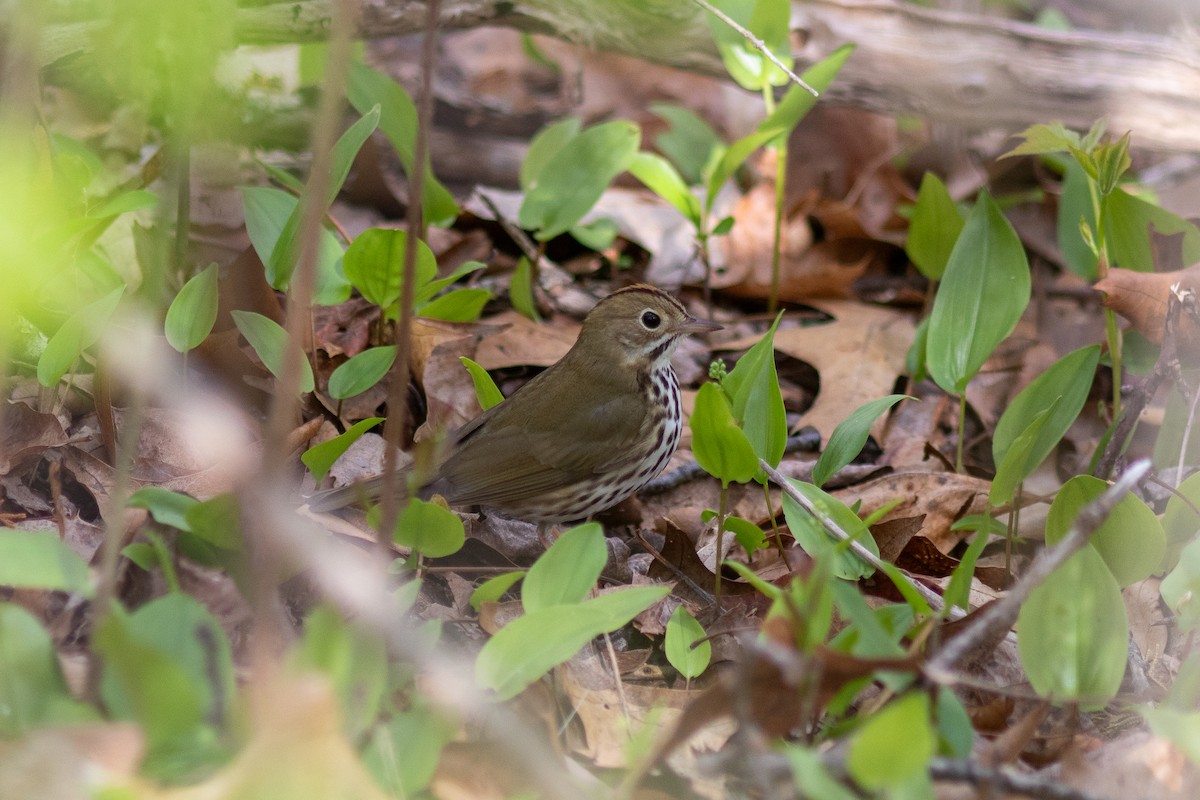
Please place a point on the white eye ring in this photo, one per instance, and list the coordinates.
(650, 320)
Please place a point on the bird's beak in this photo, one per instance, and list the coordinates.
(694, 325)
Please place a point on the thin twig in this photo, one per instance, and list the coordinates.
(398, 388)
(933, 598)
(1001, 614)
(758, 44)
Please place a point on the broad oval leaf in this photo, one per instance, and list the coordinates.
(1181, 520)
(1073, 634)
(374, 264)
(320, 457)
(684, 631)
(1127, 223)
(1131, 541)
(720, 446)
(848, 438)
(935, 226)
(894, 744)
(983, 293)
(270, 342)
(167, 507)
(576, 175)
(34, 691)
(543, 146)
(460, 305)
(193, 312)
(565, 573)
(529, 646)
(361, 372)
(429, 528)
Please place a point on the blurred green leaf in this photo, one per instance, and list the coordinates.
(81, 330)
(689, 141)
(766, 19)
(193, 312)
(1130, 541)
(33, 691)
(731, 159)
(267, 211)
(353, 658)
(1073, 635)
(543, 146)
(894, 744)
(491, 590)
(520, 290)
(429, 528)
(798, 100)
(662, 179)
(270, 342)
(167, 507)
(40, 560)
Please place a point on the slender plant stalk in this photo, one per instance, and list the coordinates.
(962, 432)
(398, 388)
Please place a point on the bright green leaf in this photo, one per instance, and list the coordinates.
(1075, 209)
(756, 400)
(568, 571)
(688, 143)
(811, 535)
(267, 211)
(683, 631)
(1128, 221)
(167, 507)
(935, 227)
(374, 264)
(520, 290)
(543, 146)
(486, 390)
(81, 330)
(193, 312)
(731, 159)
(798, 100)
(662, 179)
(848, 438)
(720, 446)
(894, 744)
(460, 305)
(427, 527)
(491, 590)
(320, 457)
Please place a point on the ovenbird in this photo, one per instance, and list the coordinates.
(586, 433)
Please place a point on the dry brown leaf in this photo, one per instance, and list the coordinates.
(25, 434)
(1141, 297)
(941, 497)
(524, 342)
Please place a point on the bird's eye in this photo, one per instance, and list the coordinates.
(650, 320)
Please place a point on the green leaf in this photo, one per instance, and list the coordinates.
(529, 646)
(81, 330)
(425, 292)
(848, 438)
(361, 372)
(662, 179)
(1180, 589)
(352, 657)
(320, 457)
(1066, 383)
(732, 159)
(915, 359)
(33, 691)
(543, 146)
(756, 400)
(1075, 209)
(486, 390)
(1180, 728)
(1043, 139)
(1072, 633)
(1180, 521)
(491, 590)
(520, 290)
(40, 560)
(1018, 461)
(984, 292)
(935, 227)
(748, 535)
(270, 342)
(287, 247)
(683, 631)
(766, 19)
(688, 143)
(427, 527)
(460, 305)
(573, 179)
(811, 535)
(1131, 541)
(1127, 223)
(809, 771)
(720, 446)
(403, 754)
(267, 211)
(217, 521)
(894, 744)
(366, 88)
(374, 264)
(565, 573)
(193, 312)
(124, 202)
(167, 507)
(168, 666)
(798, 101)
